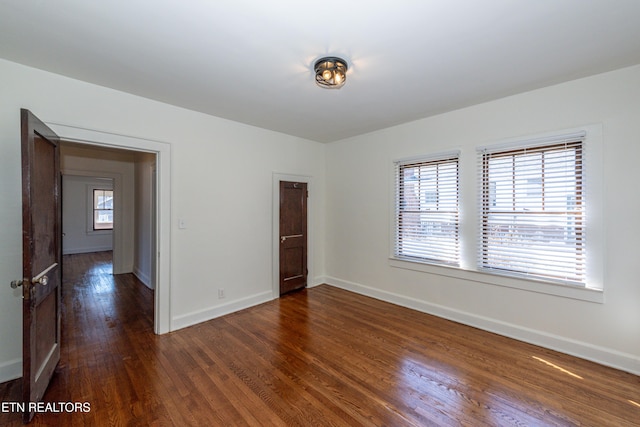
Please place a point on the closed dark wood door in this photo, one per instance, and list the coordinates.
(41, 279)
(293, 236)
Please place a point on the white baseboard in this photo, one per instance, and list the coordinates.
(10, 370)
(602, 355)
(71, 251)
(143, 277)
(319, 280)
(179, 322)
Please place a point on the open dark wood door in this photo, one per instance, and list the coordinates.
(41, 259)
(293, 236)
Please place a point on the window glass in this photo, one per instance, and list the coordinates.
(102, 209)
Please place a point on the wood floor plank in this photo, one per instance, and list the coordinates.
(321, 356)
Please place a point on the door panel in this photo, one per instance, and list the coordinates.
(293, 236)
(293, 262)
(41, 257)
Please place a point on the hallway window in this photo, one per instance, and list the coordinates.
(102, 209)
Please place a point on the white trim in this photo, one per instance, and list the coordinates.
(440, 158)
(592, 151)
(99, 232)
(488, 278)
(200, 316)
(428, 157)
(276, 178)
(393, 182)
(602, 355)
(144, 278)
(91, 208)
(11, 370)
(162, 150)
(317, 281)
(86, 250)
(521, 143)
(469, 220)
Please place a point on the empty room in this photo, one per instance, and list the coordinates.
(389, 213)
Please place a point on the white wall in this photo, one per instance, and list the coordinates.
(118, 165)
(221, 185)
(359, 200)
(144, 224)
(77, 223)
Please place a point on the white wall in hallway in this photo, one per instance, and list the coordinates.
(77, 225)
(118, 165)
(144, 236)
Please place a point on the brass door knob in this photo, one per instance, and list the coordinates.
(43, 280)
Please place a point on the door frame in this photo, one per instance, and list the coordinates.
(162, 306)
(275, 251)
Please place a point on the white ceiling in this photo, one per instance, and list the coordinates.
(251, 60)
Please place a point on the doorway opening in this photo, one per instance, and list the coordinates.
(154, 226)
(107, 215)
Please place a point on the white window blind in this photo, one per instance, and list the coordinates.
(533, 209)
(427, 210)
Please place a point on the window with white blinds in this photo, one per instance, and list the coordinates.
(532, 210)
(427, 210)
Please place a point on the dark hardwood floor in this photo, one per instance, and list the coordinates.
(321, 356)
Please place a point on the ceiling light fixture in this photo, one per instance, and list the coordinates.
(331, 72)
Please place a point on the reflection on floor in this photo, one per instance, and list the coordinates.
(321, 356)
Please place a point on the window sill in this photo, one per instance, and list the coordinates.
(549, 288)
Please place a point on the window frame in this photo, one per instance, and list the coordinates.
(491, 246)
(445, 158)
(92, 193)
(470, 198)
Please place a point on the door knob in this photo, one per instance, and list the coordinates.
(283, 238)
(44, 280)
(41, 278)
